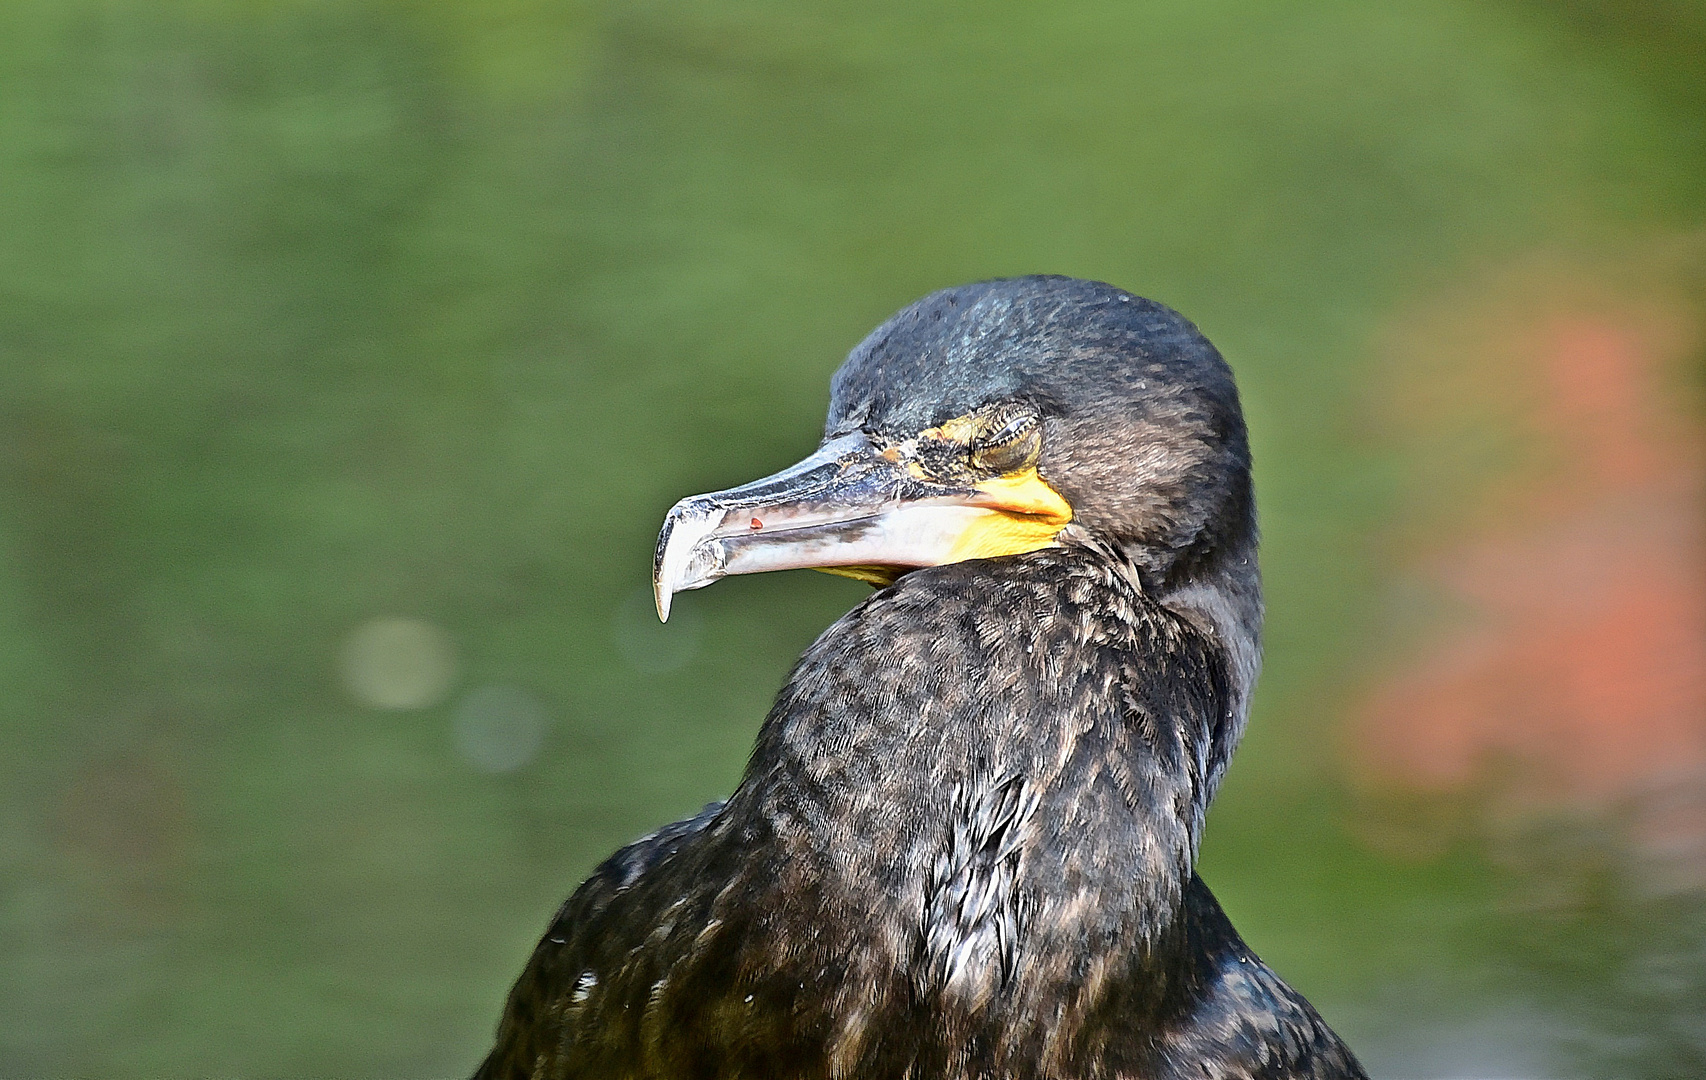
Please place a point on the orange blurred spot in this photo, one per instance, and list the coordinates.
(1577, 672)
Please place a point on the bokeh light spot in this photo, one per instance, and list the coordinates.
(500, 728)
(394, 662)
(650, 646)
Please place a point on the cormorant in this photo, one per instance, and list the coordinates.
(964, 844)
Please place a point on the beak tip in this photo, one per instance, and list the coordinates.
(685, 528)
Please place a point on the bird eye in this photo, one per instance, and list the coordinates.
(1012, 441)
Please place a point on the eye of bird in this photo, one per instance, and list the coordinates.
(1009, 440)
(995, 440)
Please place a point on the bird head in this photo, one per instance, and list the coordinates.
(987, 420)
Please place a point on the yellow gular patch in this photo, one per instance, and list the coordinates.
(1026, 493)
(1025, 515)
(873, 575)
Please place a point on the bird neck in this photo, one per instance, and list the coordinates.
(1000, 770)
(1222, 597)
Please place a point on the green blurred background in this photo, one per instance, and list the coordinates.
(351, 352)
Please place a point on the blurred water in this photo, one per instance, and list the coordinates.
(500, 729)
(398, 663)
(350, 354)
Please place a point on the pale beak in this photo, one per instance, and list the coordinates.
(852, 509)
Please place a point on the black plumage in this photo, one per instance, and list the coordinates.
(964, 844)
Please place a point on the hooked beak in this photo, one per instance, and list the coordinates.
(854, 510)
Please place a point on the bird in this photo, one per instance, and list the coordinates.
(964, 845)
